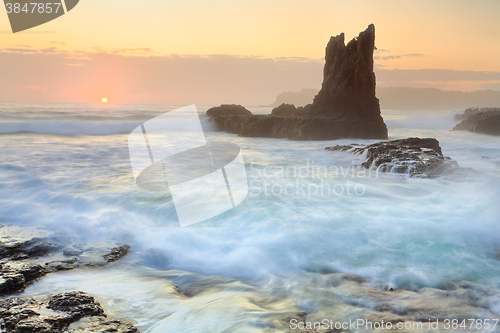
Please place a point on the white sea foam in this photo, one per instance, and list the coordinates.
(412, 233)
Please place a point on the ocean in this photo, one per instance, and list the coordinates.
(309, 213)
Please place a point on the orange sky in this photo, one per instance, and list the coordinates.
(455, 34)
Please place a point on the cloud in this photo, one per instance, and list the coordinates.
(429, 75)
(398, 56)
(140, 76)
(446, 79)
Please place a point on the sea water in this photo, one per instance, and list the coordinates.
(309, 212)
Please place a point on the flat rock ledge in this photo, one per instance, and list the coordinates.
(414, 156)
(20, 246)
(299, 127)
(68, 312)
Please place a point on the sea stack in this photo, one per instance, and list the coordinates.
(345, 107)
(348, 89)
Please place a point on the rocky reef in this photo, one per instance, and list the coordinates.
(345, 107)
(356, 297)
(413, 156)
(22, 254)
(68, 312)
(486, 121)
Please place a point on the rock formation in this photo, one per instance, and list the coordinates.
(228, 109)
(20, 247)
(486, 122)
(22, 250)
(285, 110)
(413, 156)
(345, 107)
(55, 313)
(348, 89)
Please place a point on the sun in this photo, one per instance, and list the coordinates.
(104, 100)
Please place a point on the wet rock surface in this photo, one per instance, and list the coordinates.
(117, 253)
(345, 107)
(23, 250)
(228, 109)
(58, 313)
(413, 156)
(485, 122)
(25, 257)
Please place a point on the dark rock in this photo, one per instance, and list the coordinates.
(345, 107)
(472, 111)
(11, 283)
(117, 253)
(414, 156)
(19, 245)
(32, 271)
(62, 265)
(285, 110)
(228, 109)
(76, 303)
(487, 122)
(55, 313)
(348, 89)
(299, 128)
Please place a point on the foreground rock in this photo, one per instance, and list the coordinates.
(413, 156)
(58, 313)
(20, 246)
(345, 107)
(486, 122)
(74, 311)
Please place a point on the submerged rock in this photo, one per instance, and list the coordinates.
(57, 313)
(487, 122)
(414, 156)
(352, 297)
(345, 107)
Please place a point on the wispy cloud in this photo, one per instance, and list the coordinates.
(138, 75)
(391, 57)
